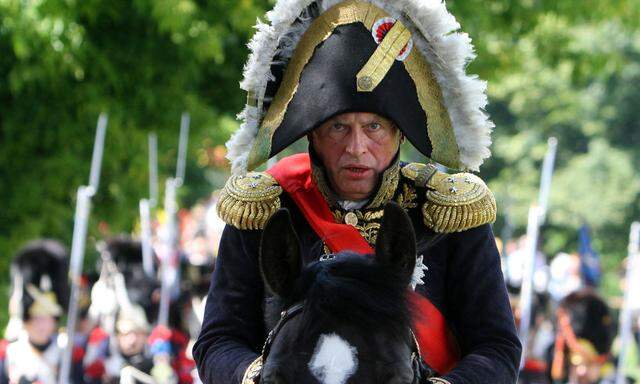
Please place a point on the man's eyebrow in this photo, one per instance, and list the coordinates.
(370, 120)
(373, 120)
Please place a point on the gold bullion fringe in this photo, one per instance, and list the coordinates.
(459, 217)
(248, 207)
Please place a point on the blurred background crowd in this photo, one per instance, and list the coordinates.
(562, 68)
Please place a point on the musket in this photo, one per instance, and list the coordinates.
(185, 120)
(131, 375)
(169, 259)
(146, 205)
(537, 216)
(81, 222)
(145, 237)
(153, 169)
(507, 230)
(632, 287)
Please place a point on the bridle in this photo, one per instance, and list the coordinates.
(420, 369)
(285, 316)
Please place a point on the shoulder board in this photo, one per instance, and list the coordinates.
(454, 202)
(419, 173)
(247, 202)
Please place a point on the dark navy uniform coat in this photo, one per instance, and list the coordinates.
(464, 281)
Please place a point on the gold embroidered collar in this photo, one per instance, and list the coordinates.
(387, 186)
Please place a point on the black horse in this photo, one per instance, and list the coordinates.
(346, 317)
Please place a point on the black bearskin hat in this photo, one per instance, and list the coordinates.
(43, 265)
(590, 318)
(126, 254)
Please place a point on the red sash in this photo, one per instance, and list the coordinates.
(293, 173)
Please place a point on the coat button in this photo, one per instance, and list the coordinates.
(351, 219)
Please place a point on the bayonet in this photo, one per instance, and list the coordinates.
(81, 222)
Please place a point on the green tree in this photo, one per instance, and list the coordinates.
(144, 62)
(565, 69)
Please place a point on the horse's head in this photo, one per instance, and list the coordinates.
(347, 318)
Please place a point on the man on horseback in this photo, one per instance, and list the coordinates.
(357, 78)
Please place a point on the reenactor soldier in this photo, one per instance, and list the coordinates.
(118, 348)
(137, 301)
(39, 272)
(358, 78)
(584, 334)
(132, 330)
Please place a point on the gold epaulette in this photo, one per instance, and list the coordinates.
(248, 201)
(454, 202)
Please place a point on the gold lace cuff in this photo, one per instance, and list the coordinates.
(252, 373)
(439, 380)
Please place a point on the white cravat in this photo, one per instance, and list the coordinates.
(350, 205)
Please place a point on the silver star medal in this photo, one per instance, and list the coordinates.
(418, 273)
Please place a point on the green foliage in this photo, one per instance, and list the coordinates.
(560, 68)
(144, 62)
(566, 69)
(570, 70)
(605, 174)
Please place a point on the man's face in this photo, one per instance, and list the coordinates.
(355, 148)
(40, 329)
(132, 342)
(585, 373)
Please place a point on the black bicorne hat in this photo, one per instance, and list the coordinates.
(328, 87)
(401, 59)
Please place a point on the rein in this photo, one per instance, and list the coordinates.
(285, 316)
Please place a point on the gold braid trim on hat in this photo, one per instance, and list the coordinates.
(247, 202)
(454, 203)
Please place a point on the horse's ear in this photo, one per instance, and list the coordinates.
(280, 260)
(396, 243)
